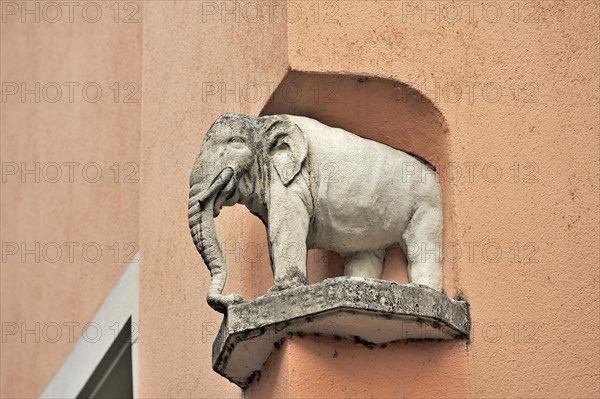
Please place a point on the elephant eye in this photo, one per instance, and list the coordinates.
(237, 139)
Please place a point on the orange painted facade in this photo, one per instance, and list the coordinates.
(501, 96)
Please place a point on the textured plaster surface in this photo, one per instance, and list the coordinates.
(535, 324)
(342, 369)
(48, 294)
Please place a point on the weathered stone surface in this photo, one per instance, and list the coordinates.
(368, 311)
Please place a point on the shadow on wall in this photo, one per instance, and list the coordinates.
(323, 367)
(383, 110)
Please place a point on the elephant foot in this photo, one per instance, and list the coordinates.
(291, 280)
(220, 303)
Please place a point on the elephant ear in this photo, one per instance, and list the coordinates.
(287, 149)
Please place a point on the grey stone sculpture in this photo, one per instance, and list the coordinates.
(314, 186)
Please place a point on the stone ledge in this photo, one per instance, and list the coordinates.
(368, 311)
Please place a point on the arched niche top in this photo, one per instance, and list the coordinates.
(369, 311)
(380, 109)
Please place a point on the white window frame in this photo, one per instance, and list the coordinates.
(121, 304)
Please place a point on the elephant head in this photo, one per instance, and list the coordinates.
(235, 165)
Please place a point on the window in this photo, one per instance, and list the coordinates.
(113, 377)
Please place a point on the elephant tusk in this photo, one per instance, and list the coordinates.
(217, 184)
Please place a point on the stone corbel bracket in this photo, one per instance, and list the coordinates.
(368, 311)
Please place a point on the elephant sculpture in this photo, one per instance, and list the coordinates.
(314, 186)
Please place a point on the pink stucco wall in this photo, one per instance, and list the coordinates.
(61, 221)
(513, 107)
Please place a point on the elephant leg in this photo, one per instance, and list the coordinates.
(423, 247)
(364, 264)
(289, 269)
(287, 231)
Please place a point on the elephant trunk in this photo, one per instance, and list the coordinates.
(202, 228)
